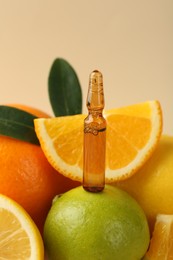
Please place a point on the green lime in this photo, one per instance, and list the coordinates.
(104, 226)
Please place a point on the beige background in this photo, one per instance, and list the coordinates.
(130, 41)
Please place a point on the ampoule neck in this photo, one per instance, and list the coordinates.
(95, 98)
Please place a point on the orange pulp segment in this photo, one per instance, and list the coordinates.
(161, 245)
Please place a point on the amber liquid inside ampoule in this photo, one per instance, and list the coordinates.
(94, 136)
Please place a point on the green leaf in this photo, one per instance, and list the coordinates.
(64, 89)
(18, 124)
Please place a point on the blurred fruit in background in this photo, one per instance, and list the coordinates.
(152, 186)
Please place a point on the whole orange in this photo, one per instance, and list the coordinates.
(27, 177)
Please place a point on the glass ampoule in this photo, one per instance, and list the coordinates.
(94, 136)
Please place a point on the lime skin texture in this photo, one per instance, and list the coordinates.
(108, 225)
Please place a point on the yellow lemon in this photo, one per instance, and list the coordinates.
(152, 186)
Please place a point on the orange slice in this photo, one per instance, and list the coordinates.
(161, 245)
(132, 135)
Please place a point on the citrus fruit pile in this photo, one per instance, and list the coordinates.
(128, 149)
(149, 149)
(42, 156)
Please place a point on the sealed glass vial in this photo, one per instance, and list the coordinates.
(94, 136)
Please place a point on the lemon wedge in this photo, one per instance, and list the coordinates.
(19, 236)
